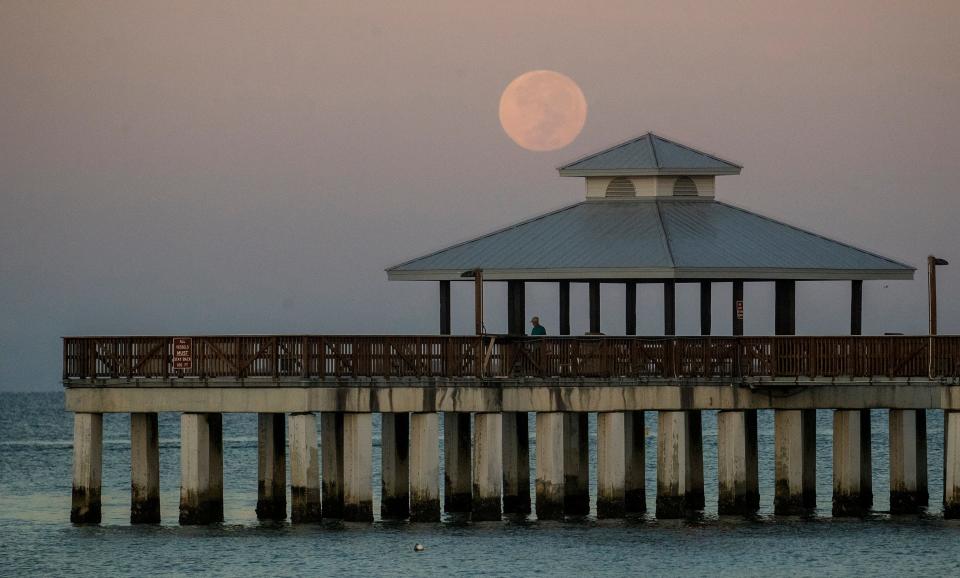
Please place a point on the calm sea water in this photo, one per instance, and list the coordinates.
(36, 537)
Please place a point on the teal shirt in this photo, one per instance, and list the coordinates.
(538, 330)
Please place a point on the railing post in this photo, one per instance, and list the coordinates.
(479, 356)
(66, 373)
(91, 364)
(166, 358)
(322, 357)
(276, 357)
(129, 341)
(304, 356)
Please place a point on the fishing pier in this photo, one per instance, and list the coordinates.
(649, 217)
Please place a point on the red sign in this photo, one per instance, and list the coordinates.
(183, 353)
(740, 309)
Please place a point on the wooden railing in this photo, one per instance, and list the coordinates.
(316, 356)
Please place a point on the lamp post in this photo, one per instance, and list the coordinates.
(932, 263)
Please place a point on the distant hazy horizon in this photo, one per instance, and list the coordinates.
(246, 167)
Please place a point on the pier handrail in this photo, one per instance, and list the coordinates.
(435, 356)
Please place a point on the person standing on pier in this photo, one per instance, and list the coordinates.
(537, 328)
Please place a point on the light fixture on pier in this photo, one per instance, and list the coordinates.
(932, 263)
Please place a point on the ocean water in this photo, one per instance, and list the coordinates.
(36, 537)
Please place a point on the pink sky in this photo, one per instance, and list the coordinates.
(178, 167)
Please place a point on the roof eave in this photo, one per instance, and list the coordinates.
(565, 172)
(757, 274)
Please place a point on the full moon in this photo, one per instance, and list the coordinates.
(542, 110)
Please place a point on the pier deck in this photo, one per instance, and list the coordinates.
(291, 381)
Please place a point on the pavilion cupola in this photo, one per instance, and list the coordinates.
(649, 166)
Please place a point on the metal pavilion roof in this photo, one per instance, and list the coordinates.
(652, 238)
(649, 154)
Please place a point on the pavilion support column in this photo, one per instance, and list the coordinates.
(516, 308)
(456, 458)
(195, 451)
(785, 297)
(424, 467)
(215, 498)
(630, 312)
(305, 502)
(737, 470)
(852, 472)
(564, 308)
(695, 496)
(706, 303)
(331, 436)
(796, 462)
(576, 464)
(856, 307)
(738, 308)
(516, 463)
(594, 307)
(87, 467)
(635, 448)
(271, 466)
(673, 465)
(951, 457)
(669, 308)
(487, 466)
(795, 430)
(550, 467)
(445, 308)
(395, 466)
(144, 469)
(908, 461)
(611, 464)
(357, 467)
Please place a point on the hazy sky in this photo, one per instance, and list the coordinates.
(184, 167)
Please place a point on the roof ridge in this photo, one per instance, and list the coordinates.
(695, 151)
(490, 234)
(818, 235)
(665, 237)
(653, 149)
(606, 150)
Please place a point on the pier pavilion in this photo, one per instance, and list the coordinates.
(649, 216)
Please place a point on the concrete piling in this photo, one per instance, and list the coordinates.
(576, 465)
(144, 469)
(331, 436)
(795, 456)
(424, 468)
(457, 478)
(908, 461)
(695, 498)
(516, 463)
(737, 470)
(673, 465)
(852, 472)
(493, 461)
(87, 467)
(611, 464)
(635, 448)
(305, 503)
(395, 466)
(487, 466)
(951, 471)
(357, 467)
(215, 487)
(271, 466)
(550, 466)
(195, 451)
